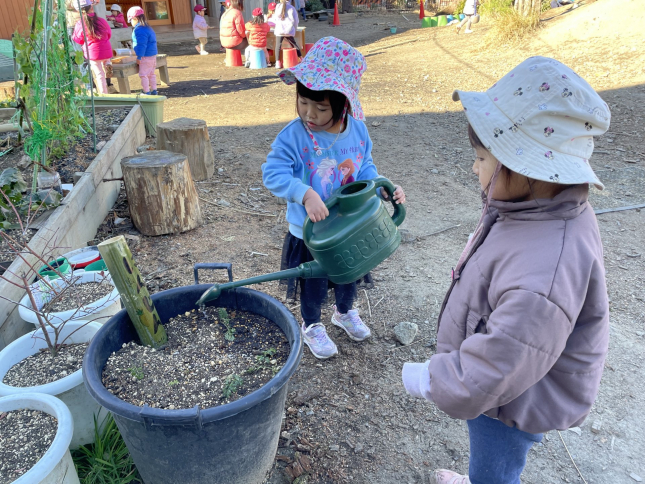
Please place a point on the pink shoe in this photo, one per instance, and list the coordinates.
(443, 476)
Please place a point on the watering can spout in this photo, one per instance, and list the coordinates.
(306, 270)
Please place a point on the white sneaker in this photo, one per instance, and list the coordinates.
(316, 337)
(203, 52)
(468, 31)
(351, 322)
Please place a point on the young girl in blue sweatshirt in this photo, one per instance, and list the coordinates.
(308, 161)
(144, 43)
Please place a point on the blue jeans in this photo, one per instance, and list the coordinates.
(497, 451)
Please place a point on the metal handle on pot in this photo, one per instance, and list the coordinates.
(399, 209)
(214, 265)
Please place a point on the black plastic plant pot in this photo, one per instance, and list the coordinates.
(234, 443)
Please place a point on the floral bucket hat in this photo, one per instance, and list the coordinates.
(331, 65)
(539, 120)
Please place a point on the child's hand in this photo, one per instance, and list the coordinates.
(315, 207)
(399, 195)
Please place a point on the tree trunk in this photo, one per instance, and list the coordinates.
(528, 7)
(189, 137)
(133, 291)
(161, 193)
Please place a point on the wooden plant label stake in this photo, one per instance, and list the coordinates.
(133, 291)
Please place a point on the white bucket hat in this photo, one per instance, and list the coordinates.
(83, 4)
(539, 120)
(116, 7)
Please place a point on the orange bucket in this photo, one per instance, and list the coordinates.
(290, 57)
(233, 58)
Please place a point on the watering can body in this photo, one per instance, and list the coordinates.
(357, 236)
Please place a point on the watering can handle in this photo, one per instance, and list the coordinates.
(399, 209)
(214, 265)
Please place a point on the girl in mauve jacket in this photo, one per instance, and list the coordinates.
(524, 329)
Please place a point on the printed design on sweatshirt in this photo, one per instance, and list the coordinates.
(326, 173)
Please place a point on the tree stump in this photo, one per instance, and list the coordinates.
(189, 137)
(161, 193)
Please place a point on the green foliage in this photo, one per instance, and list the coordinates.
(56, 117)
(314, 5)
(226, 321)
(137, 372)
(232, 384)
(264, 361)
(173, 382)
(495, 8)
(107, 461)
(459, 6)
(13, 199)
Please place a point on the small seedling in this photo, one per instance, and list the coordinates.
(265, 362)
(137, 372)
(232, 384)
(226, 321)
(174, 382)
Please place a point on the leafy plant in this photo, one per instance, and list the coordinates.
(314, 6)
(173, 382)
(495, 8)
(107, 461)
(226, 321)
(137, 372)
(264, 361)
(15, 205)
(232, 384)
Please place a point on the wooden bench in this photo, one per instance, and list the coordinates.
(123, 71)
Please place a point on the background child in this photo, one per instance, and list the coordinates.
(232, 34)
(524, 328)
(144, 43)
(258, 31)
(470, 10)
(271, 13)
(99, 49)
(301, 171)
(300, 6)
(200, 29)
(286, 23)
(117, 17)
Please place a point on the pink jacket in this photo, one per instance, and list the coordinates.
(232, 29)
(524, 329)
(99, 49)
(118, 18)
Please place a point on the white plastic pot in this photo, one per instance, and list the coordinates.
(69, 389)
(56, 466)
(79, 258)
(98, 311)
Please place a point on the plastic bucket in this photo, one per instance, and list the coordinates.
(426, 22)
(61, 264)
(80, 258)
(69, 389)
(97, 266)
(55, 466)
(442, 20)
(100, 310)
(393, 30)
(461, 16)
(233, 443)
(433, 21)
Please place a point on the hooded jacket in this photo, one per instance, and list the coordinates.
(231, 28)
(99, 48)
(285, 27)
(524, 330)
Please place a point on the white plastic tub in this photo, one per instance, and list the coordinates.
(70, 389)
(56, 466)
(98, 311)
(80, 258)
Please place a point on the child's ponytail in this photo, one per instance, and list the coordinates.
(91, 24)
(283, 3)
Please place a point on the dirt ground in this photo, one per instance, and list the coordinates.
(351, 415)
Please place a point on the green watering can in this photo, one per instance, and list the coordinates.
(357, 236)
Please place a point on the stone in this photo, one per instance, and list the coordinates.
(636, 477)
(223, 203)
(596, 426)
(143, 148)
(24, 162)
(334, 448)
(576, 430)
(100, 145)
(435, 171)
(405, 332)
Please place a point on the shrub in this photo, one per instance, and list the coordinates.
(512, 26)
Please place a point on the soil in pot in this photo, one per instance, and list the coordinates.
(25, 436)
(42, 368)
(212, 358)
(78, 295)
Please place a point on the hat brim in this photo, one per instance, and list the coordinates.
(318, 78)
(517, 150)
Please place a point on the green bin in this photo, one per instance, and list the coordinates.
(426, 22)
(152, 106)
(442, 20)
